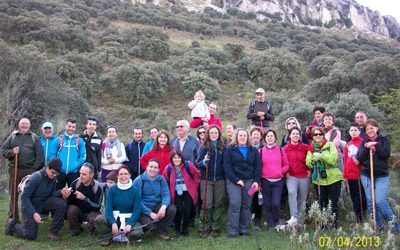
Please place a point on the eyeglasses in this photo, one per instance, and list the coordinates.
(318, 134)
(180, 126)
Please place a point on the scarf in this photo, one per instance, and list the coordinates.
(314, 147)
(124, 186)
(111, 144)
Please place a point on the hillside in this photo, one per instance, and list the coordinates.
(139, 64)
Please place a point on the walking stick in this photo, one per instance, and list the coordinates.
(14, 212)
(360, 193)
(372, 187)
(205, 202)
(254, 231)
(262, 126)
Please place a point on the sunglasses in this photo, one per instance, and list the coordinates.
(318, 134)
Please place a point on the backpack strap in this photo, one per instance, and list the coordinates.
(95, 186)
(185, 165)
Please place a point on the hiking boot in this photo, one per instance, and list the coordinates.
(74, 233)
(106, 242)
(395, 228)
(163, 236)
(53, 235)
(293, 221)
(9, 226)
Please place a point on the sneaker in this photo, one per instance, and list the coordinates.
(293, 221)
(163, 236)
(106, 242)
(9, 226)
(53, 235)
(395, 228)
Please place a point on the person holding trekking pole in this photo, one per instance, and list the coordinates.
(260, 111)
(212, 181)
(375, 174)
(327, 178)
(242, 166)
(24, 153)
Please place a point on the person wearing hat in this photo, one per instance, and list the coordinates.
(40, 196)
(49, 141)
(260, 110)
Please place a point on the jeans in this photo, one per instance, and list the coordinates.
(359, 203)
(381, 203)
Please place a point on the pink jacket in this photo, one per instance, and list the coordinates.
(191, 184)
(274, 162)
(336, 140)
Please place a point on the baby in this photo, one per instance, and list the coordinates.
(200, 114)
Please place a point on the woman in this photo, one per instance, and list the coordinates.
(113, 153)
(298, 176)
(160, 150)
(380, 148)
(352, 171)
(183, 180)
(124, 198)
(274, 167)
(290, 123)
(327, 178)
(200, 134)
(242, 166)
(256, 204)
(333, 134)
(211, 156)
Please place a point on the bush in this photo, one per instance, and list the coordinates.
(201, 81)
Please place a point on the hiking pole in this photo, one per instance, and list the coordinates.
(262, 126)
(371, 160)
(109, 236)
(360, 194)
(205, 202)
(254, 230)
(14, 212)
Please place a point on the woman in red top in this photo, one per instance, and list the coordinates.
(160, 150)
(183, 180)
(297, 179)
(352, 170)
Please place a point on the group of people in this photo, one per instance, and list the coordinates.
(128, 190)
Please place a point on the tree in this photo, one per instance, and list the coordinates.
(236, 51)
(201, 81)
(321, 66)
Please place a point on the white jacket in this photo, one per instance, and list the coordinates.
(199, 109)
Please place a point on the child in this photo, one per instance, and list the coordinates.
(352, 170)
(101, 222)
(200, 114)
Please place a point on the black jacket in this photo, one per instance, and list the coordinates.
(93, 149)
(265, 107)
(380, 158)
(134, 152)
(215, 165)
(239, 168)
(94, 196)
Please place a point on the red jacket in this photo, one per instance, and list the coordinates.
(296, 155)
(161, 154)
(191, 183)
(215, 121)
(350, 169)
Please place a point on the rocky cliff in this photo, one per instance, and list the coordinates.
(341, 14)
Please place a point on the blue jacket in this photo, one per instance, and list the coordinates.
(38, 188)
(238, 167)
(148, 146)
(215, 165)
(153, 192)
(71, 155)
(134, 152)
(50, 147)
(189, 150)
(124, 201)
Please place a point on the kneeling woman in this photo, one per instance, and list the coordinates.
(183, 180)
(242, 165)
(123, 205)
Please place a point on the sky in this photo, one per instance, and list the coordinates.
(385, 7)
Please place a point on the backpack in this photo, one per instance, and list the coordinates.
(95, 187)
(61, 140)
(25, 179)
(267, 103)
(186, 165)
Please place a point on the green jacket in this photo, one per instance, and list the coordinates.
(30, 150)
(329, 159)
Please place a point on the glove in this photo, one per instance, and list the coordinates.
(317, 157)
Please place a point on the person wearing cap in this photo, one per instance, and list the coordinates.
(260, 110)
(40, 196)
(49, 141)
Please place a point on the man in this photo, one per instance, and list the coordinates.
(319, 112)
(49, 141)
(25, 145)
(156, 202)
(361, 118)
(40, 196)
(184, 142)
(84, 200)
(72, 154)
(260, 110)
(93, 143)
(212, 108)
(153, 136)
(134, 152)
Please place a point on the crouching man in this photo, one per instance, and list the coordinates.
(155, 199)
(84, 200)
(40, 197)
